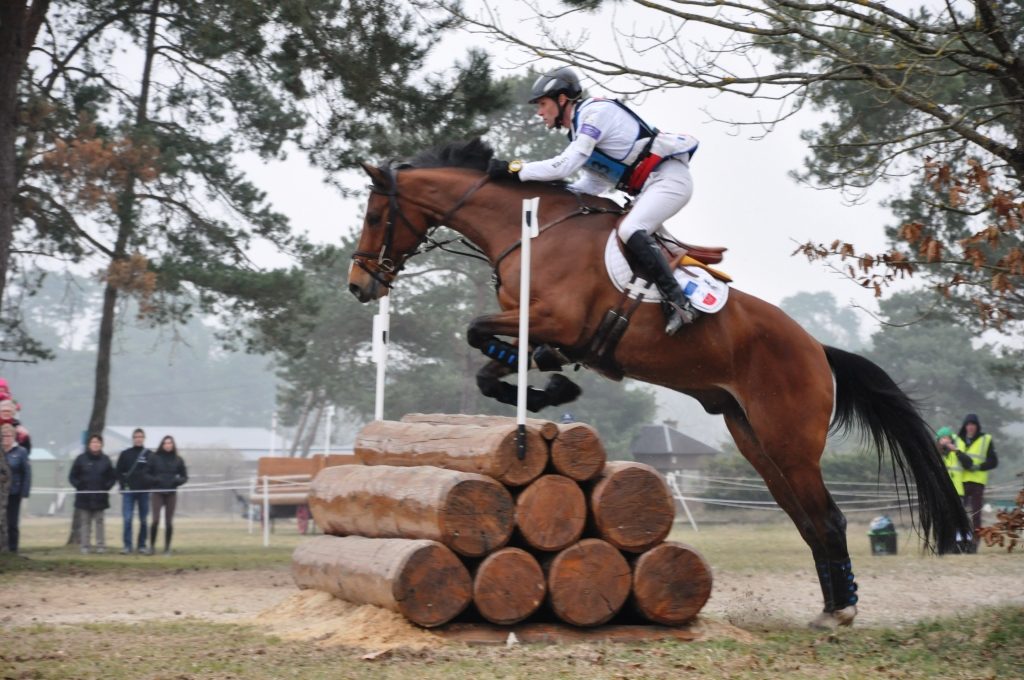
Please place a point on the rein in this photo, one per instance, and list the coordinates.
(385, 264)
(581, 209)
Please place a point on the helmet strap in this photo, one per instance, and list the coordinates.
(561, 112)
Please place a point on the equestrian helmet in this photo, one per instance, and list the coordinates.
(553, 83)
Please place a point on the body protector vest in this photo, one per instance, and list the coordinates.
(978, 451)
(649, 150)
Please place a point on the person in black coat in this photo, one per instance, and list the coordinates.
(135, 478)
(168, 472)
(21, 479)
(92, 475)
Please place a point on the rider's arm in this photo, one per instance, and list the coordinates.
(561, 166)
(591, 184)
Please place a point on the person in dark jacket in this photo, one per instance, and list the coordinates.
(21, 480)
(168, 471)
(92, 475)
(135, 480)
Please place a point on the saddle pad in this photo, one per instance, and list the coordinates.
(705, 292)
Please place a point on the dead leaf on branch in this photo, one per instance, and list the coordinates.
(133, 277)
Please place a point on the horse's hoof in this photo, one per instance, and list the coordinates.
(832, 620)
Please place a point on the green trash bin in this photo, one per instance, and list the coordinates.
(882, 534)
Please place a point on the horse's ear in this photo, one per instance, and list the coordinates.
(376, 174)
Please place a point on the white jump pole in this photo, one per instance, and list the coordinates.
(529, 232)
(266, 511)
(381, 330)
(327, 429)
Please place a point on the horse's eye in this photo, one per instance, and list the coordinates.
(373, 218)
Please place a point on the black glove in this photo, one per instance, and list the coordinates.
(498, 169)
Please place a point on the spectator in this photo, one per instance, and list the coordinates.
(92, 475)
(168, 469)
(954, 458)
(20, 482)
(133, 474)
(982, 453)
(8, 411)
(5, 485)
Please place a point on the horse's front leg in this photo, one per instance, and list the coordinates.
(482, 335)
(505, 360)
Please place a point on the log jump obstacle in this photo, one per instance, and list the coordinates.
(439, 520)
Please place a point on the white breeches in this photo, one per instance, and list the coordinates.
(666, 191)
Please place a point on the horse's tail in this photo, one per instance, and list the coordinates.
(868, 397)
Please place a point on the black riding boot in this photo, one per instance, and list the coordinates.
(678, 310)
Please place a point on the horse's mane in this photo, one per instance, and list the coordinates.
(474, 154)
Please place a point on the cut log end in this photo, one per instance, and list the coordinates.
(588, 583)
(433, 586)
(551, 513)
(508, 586)
(671, 583)
(577, 452)
(477, 517)
(632, 506)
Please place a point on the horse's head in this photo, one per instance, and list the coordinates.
(392, 230)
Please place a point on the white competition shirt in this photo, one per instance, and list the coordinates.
(600, 123)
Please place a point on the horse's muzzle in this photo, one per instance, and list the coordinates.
(364, 286)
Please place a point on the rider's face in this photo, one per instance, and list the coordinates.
(547, 109)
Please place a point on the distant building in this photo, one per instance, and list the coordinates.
(666, 449)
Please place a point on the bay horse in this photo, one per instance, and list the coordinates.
(779, 390)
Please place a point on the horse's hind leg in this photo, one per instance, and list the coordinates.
(793, 477)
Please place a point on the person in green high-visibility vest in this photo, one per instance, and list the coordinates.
(953, 458)
(978, 446)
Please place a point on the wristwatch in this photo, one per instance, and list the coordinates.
(515, 165)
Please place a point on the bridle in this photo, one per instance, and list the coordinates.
(385, 259)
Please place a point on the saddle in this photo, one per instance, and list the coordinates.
(702, 254)
(688, 260)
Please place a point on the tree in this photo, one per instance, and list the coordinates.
(937, 359)
(935, 92)
(20, 21)
(820, 316)
(146, 174)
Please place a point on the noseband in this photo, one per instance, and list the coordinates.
(385, 258)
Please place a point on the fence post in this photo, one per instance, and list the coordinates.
(266, 511)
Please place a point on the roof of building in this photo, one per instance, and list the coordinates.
(665, 440)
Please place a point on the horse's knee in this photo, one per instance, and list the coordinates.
(477, 334)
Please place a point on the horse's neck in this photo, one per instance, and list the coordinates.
(492, 217)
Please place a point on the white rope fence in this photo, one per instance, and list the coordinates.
(850, 501)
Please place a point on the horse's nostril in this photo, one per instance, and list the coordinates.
(355, 290)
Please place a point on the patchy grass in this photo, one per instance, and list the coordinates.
(986, 645)
(199, 543)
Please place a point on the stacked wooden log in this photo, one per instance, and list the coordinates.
(441, 515)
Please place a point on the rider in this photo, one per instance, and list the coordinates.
(616, 149)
